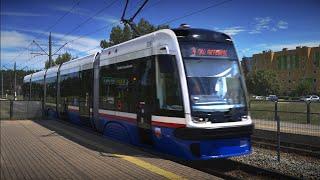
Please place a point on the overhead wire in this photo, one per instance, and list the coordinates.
(107, 26)
(196, 12)
(52, 26)
(89, 18)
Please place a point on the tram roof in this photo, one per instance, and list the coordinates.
(52, 72)
(78, 64)
(38, 75)
(27, 78)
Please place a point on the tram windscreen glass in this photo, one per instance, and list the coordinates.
(214, 80)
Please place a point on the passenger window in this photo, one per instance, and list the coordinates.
(169, 99)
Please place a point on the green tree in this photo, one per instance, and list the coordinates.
(119, 35)
(263, 83)
(47, 65)
(59, 60)
(304, 88)
(63, 58)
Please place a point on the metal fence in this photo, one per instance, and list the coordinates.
(295, 117)
(20, 109)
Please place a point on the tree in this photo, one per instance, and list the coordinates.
(63, 58)
(47, 65)
(263, 83)
(304, 88)
(119, 35)
(60, 59)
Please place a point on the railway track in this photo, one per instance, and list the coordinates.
(231, 169)
(302, 149)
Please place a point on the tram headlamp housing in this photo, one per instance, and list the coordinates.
(199, 119)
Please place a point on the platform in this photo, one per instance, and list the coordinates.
(49, 149)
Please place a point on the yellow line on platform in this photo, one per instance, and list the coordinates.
(149, 167)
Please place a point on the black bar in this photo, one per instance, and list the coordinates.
(210, 134)
(284, 111)
(11, 109)
(308, 112)
(278, 129)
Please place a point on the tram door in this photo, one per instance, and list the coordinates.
(84, 110)
(85, 100)
(145, 92)
(62, 105)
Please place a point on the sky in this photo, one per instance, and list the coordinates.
(254, 25)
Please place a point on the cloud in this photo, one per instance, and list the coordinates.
(86, 13)
(14, 39)
(263, 24)
(277, 47)
(233, 30)
(282, 25)
(13, 43)
(23, 14)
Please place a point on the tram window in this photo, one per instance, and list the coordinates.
(107, 91)
(70, 90)
(118, 87)
(85, 94)
(169, 99)
(37, 90)
(26, 90)
(51, 89)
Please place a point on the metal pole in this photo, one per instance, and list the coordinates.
(278, 129)
(50, 51)
(11, 109)
(308, 112)
(1, 83)
(15, 82)
(1, 78)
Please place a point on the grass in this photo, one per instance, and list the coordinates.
(295, 112)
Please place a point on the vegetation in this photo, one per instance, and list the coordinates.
(121, 34)
(60, 59)
(304, 88)
(263, 83)
(8, 80)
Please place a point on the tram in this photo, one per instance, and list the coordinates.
(179, 91)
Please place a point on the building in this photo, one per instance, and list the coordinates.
(246, 64)
(292, 66)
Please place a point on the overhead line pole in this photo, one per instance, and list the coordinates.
(50, 49)
(1, 78)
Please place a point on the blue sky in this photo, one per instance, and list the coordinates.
(254, 25)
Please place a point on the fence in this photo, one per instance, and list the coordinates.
(296, 117)
(20, 109)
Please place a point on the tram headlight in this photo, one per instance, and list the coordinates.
(246, 118)
(199, 119)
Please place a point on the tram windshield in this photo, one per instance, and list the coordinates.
(213, 76)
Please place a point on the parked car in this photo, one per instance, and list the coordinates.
(259, 98)
(310, 98)
(272, 98)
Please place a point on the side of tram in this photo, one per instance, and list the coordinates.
(178, 91)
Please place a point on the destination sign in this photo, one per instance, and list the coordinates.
(208, 52)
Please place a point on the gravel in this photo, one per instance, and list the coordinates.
(291, 164)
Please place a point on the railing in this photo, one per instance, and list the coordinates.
(20, 109)
(296, 117)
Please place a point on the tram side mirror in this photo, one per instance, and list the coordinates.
(164, 49)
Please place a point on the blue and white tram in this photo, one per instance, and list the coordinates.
(178, 91)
